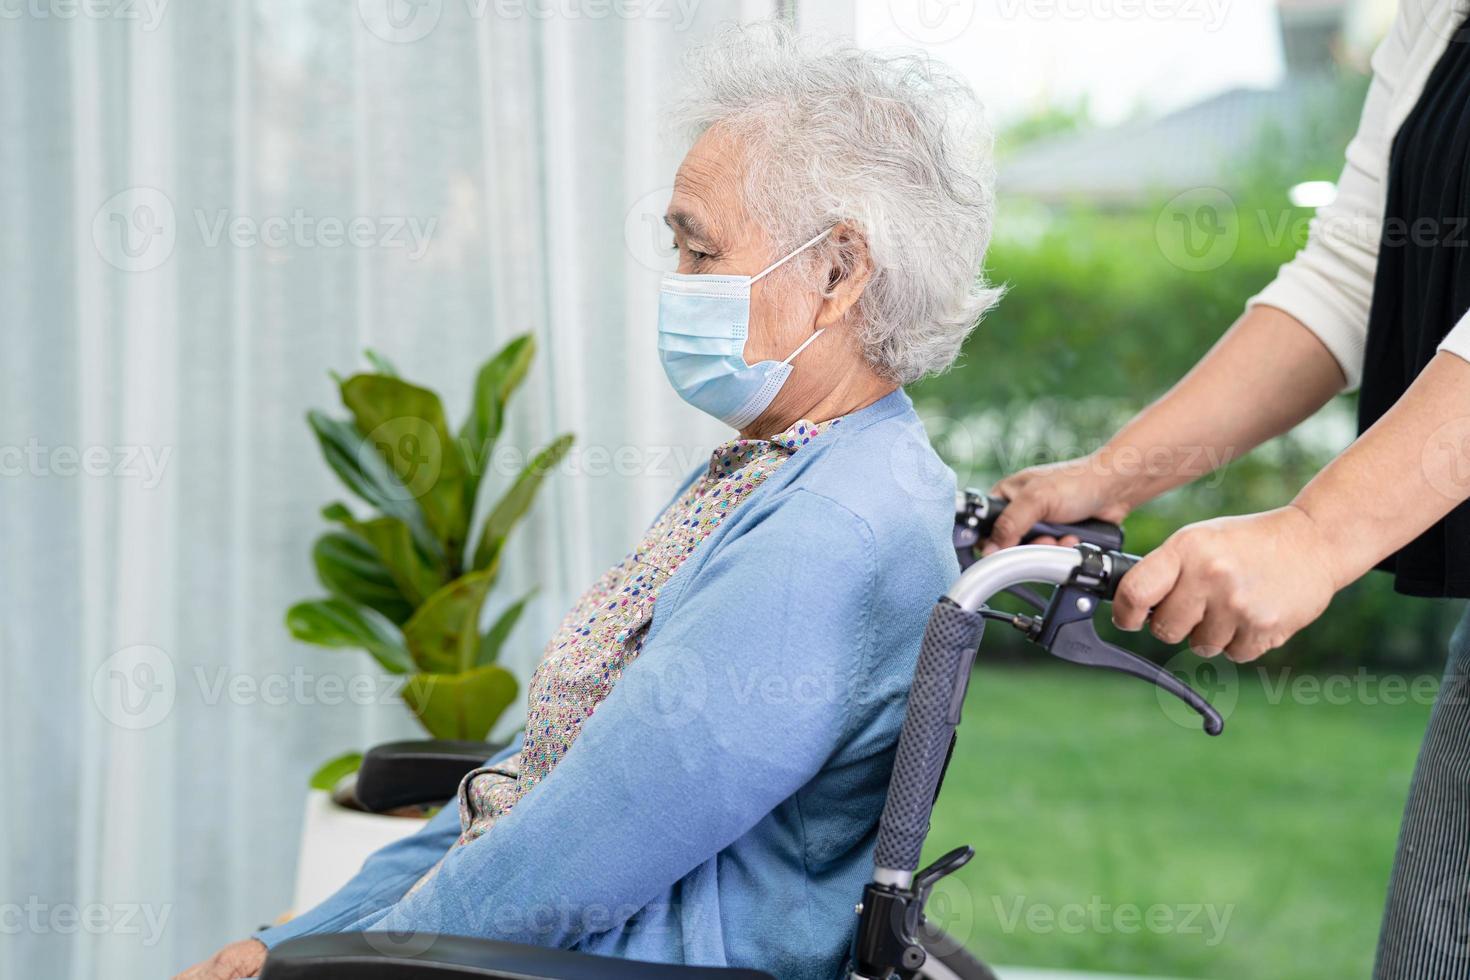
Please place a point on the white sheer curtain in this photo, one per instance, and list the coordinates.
(205, 207)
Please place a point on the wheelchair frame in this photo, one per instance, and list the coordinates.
(892, 939)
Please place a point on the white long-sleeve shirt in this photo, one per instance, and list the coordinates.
(1329, 285)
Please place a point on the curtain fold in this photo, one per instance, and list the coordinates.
(174, 191)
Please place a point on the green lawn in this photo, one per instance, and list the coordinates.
(1108, 837)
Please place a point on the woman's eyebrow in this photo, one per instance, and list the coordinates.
(691, 226)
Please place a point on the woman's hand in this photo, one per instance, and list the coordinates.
(1063, 492)
(1243, 585)
(242, 959)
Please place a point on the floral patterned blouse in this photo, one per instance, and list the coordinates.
(604, 631)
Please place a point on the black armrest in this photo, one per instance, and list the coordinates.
(372, 956)
(407, 773)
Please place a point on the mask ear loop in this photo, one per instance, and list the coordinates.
(804, 345)
(780, 262)
(791, 255)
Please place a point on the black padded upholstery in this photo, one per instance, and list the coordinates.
(378, 956)
(420, 771)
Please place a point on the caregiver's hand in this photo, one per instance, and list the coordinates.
(242, 959)
(1063, 492)
(1243, 585)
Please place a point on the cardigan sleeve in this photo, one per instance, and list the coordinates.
(384, 878)
(1328, 286)
(734, 704)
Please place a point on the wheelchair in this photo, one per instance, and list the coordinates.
(892, 939)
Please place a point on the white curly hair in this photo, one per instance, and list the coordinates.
(894, 144)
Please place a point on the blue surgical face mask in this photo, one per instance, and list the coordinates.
(703, 321)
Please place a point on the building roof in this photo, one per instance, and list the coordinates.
(1197, 146)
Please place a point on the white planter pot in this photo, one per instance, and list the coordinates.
(335, 840)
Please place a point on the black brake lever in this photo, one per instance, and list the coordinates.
(1066, 631)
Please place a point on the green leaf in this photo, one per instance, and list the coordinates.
(380, 363)
(338, 623)
(461, 706)
(415, 576)
(508, 511)
(367, 475)
(350, 569)
(331, 772)
(443, 636)
(338, 513)
(405, 425)
(493, 640)
(498, 378)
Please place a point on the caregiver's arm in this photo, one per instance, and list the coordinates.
(1410, 469)
(1246, 584)
(733, 705)
(1268, 373)
(1299, 340)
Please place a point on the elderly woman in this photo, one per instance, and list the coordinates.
(710, 732)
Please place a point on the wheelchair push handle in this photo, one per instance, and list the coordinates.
(891, 922)
(1085, 577)
(975, 515)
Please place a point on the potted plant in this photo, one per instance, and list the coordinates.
(408, 581)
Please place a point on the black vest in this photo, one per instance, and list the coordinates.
(1422, 289)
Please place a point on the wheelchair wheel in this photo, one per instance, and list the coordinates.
(948, 959)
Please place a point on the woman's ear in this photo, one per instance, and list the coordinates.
(847, 276)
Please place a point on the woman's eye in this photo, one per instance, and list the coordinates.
(693, 254)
